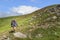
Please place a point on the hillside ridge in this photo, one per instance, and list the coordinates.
(43, 24)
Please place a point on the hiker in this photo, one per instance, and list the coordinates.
(13, 25)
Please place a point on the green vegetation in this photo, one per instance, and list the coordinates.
(43, 24)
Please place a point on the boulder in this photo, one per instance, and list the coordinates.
(19, 35)
(54, 17)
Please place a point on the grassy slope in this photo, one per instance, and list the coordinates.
(35, 21)
(5, 22)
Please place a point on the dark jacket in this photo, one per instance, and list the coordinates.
(13, 23)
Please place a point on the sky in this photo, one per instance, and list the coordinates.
(22, 7)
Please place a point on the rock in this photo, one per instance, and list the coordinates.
(4, 37)
(52, 10)
(54, 17)
(19, 35)
(58, 7)
(31, 23)
(48, 19)
(30, 30)
(39, 35)
(12, 36)
(56, 33)
(34, 17)
(58, 13)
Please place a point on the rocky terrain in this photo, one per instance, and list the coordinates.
(43, 24)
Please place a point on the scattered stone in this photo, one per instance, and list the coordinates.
(58, 13)
(33, 17)
(56, 33)
(58, 7)
(48, 19)
(19, 35)
(52, 10)
(4, 37)
(31, 23)
(58, 23)
(30, 30)
(54, 17)
(39, 35)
